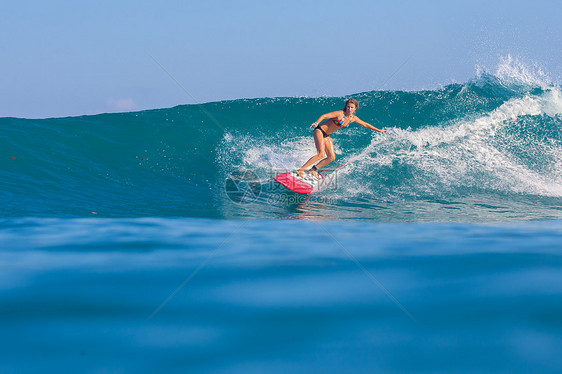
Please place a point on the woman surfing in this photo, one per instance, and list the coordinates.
(340, 119)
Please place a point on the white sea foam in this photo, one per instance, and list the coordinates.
(475, 152)
(489, 151)
(470, 153)
(512, 70)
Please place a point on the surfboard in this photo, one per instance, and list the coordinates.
(304, 185)
(308, 183)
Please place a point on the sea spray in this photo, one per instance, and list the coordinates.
(494, 141)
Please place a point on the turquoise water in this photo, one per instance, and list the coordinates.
(483, 151)
(129, 242)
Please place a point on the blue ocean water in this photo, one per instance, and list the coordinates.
(156, 241)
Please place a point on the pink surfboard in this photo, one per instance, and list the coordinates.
(304, 185)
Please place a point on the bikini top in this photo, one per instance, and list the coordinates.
(340, 122)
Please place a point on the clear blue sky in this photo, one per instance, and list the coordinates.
(60, 58)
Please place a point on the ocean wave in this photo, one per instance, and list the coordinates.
(496, 135)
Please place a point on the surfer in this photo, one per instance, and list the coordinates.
(340, 119)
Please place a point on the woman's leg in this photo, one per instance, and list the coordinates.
(320, 148)
(331, 155)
